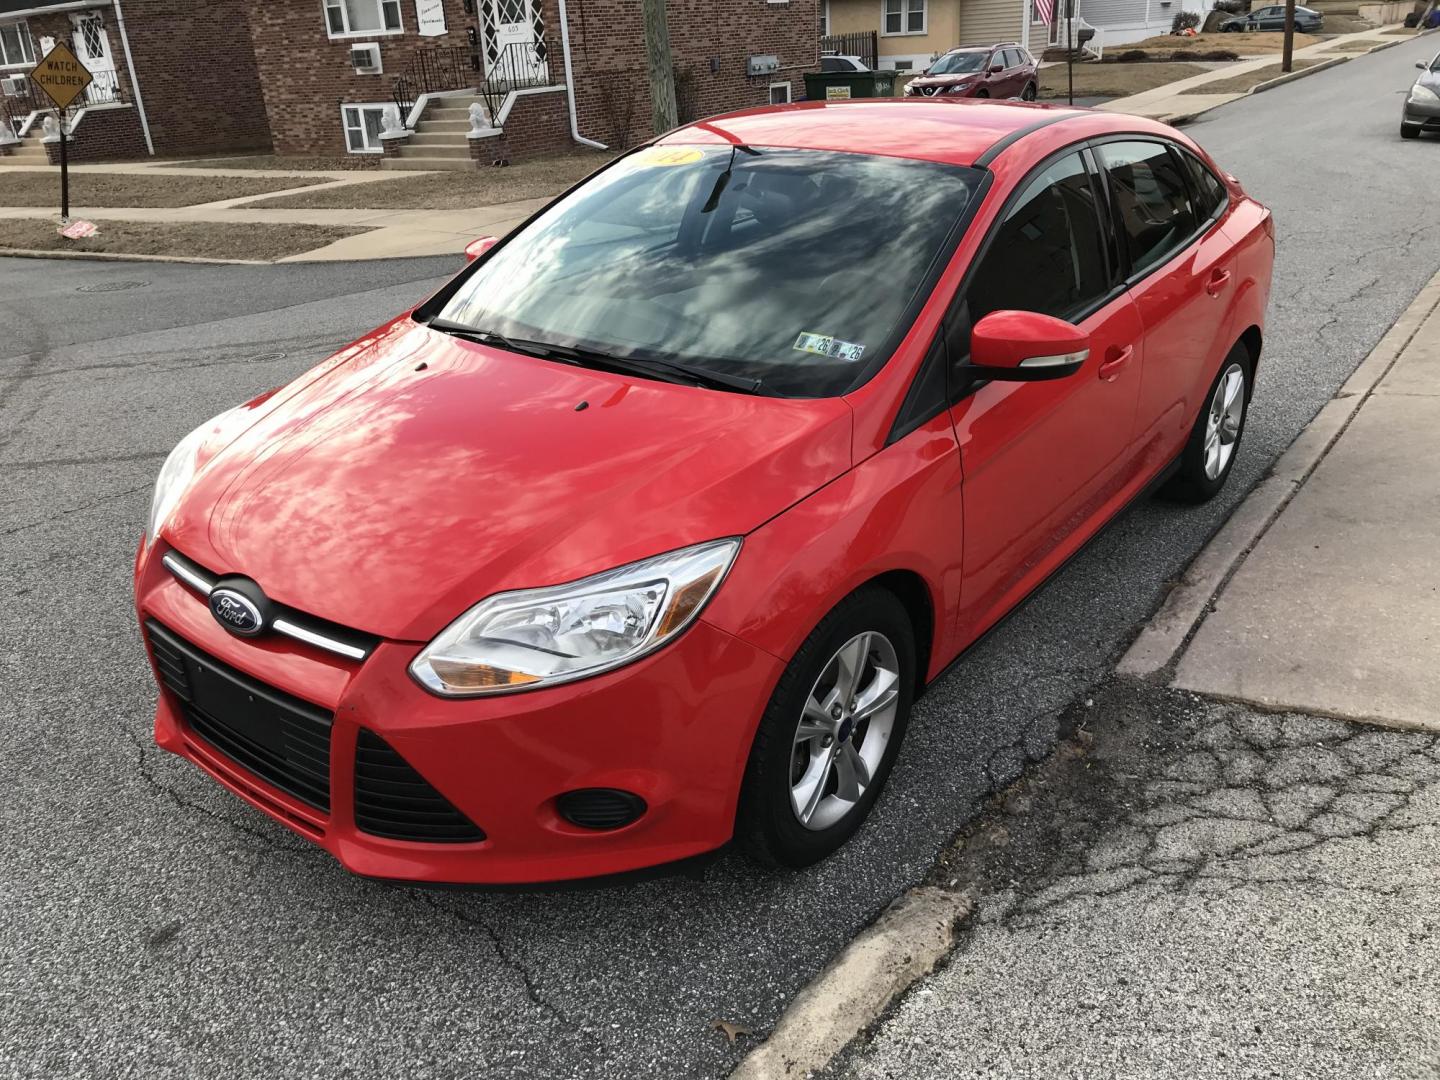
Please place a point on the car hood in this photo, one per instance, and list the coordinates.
(944, 80)
(421, 473)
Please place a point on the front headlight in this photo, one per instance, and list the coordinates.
(959, 88)
(539, 637)
(1424, 95)
(176, 474)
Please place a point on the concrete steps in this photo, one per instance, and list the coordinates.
(440, 139)
(29, 152)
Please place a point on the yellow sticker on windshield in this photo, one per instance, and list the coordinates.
(669, 155)
(825, 345)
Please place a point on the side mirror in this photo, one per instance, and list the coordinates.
(1421, 64)
(476, 248)
(996, 69)
(1025, 346)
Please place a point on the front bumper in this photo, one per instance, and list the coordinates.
(1424, 115)
(674, 728)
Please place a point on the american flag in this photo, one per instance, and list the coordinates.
(1046, 10)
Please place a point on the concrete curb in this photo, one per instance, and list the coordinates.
(909, 939)
(1291, 76)
(115, 256)
(1159, 643)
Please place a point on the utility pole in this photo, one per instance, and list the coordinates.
(662, 68)
(1287, 58)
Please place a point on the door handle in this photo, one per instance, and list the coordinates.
(1114, 362)
(1218, 280)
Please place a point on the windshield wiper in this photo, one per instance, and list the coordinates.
(647, 367)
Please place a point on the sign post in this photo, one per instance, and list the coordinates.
(62, 78)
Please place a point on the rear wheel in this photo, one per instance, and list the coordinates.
(1029, 92)
(1209, 455)
(830, 734)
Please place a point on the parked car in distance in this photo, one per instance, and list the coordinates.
(1005, 70)
(646, 530)
(1421, 111)
(1307, 20)
(837, 63)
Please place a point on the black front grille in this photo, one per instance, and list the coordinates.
(279, 738)
(394, 801)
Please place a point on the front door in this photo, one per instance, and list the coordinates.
(92, 48)
(1042, 461)
(514, 41)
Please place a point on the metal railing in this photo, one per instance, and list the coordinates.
(432, 70)
(865, 44)
(104, 90)
(520, 65)
(16, 106)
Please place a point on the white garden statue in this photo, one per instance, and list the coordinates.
(50, 127)
(390, 121)
(479, 118)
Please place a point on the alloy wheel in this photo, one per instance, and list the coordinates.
(1224, 421)
(844, 730)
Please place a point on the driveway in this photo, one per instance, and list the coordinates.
(154, 926)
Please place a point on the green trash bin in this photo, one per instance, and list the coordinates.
(843, 85)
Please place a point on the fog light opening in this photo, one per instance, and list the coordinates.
(600, 809)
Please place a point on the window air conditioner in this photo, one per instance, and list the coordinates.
(366, 59)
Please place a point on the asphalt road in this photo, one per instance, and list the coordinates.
(151, 925)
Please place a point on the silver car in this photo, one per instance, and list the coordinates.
(1422, 104)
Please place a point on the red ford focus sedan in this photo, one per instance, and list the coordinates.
(645, 531)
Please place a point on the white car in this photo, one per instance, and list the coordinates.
(830, 64)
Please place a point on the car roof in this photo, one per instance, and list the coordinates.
(953, 131)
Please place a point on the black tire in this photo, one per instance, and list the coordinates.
(767, 826)
(1408, 132)
(982, 93)
(1192, 484)
(1028, 94)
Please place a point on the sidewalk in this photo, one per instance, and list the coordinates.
(1176, 102)
(1336, 611)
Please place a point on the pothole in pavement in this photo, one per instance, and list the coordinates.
(112, 286)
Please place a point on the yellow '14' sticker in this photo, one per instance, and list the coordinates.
(669, 155)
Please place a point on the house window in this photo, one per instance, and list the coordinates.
(363, 124)
(779, 93)
(903, 17)
(345, 17)
(824, 18)
(15, 47)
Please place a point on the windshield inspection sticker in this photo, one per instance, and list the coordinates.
(825, 345)
(669, 155)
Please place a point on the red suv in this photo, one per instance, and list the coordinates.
(646, 530)
(986, 71)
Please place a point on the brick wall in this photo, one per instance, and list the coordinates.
(103, 134)
(538, 124)
(306, 76)
(711, 43)
(197, 74)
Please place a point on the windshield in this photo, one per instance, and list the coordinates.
(794, 267)
(958, 63)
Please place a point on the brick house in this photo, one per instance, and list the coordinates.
(448, 83)
(155, 89)
(420, 84)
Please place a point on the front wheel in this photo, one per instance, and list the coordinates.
(982, 93)
(1029, 92)
(1409, 132)
(829, 736)
(1209, 455)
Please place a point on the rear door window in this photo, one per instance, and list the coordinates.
(1210, 192)
(1151, 198)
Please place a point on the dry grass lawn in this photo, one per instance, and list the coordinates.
(1259, 43)
(536, 179)
(1114, 80)
(194, 239)
(344, 163)
(135, 189)
(1351, 47)
(1241, 84)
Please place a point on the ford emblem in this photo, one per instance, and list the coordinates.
(236, 612)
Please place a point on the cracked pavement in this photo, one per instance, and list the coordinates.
(1190, 888)
(152, 925)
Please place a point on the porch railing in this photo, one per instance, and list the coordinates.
(865, 44)
(16, 106)
(519, 65)
(432, 70)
